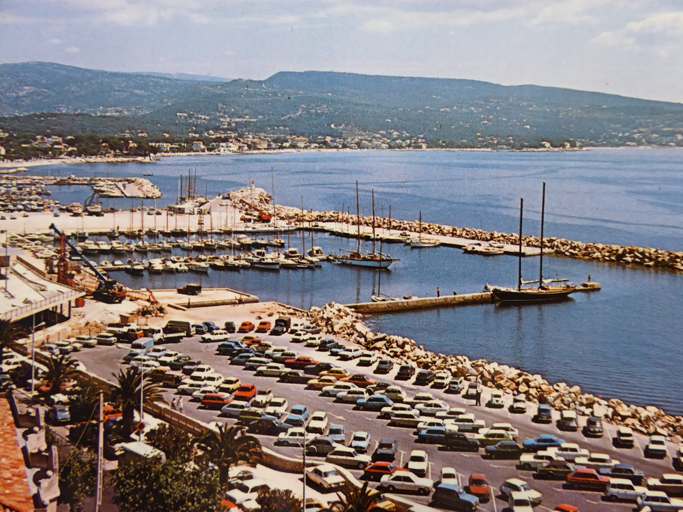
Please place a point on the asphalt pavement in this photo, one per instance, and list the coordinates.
(103, 361)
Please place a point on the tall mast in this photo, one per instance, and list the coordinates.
(540, 276)
(358, 213)
(521, 212)
(303, 231)
(419, 227)
(373, 221)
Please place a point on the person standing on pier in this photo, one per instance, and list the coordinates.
(438, 292)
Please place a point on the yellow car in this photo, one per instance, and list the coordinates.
(321, 382)
(229, 384)
(337, 373)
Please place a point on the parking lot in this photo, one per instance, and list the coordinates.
(106, 360)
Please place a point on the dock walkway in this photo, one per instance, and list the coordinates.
(392, 306)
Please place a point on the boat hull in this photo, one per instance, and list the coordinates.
(532, 294)
(383, 264)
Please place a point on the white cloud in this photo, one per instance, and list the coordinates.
(72, 49)
(660, 34)
(55, 40)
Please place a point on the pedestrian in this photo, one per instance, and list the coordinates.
(438, 292)
(454, 292)
(174, 405)
(180, 405)
(589, 278)
(478, 402)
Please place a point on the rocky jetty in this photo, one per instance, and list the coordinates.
(617, 254)
(342, 321)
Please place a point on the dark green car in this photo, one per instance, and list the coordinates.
(555, 469)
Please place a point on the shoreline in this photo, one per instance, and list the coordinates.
(8, 164)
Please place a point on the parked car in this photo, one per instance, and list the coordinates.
(624, 438)
(656, 447)
(544, 414)
(569, 451)
(456, 386)
(360, 441)
(504, 450)
(384, 366)
(568, 421)
(377, 470)
(418, 462)
(520, 502)
(596, 461)
(542, 442)
(233, 409)
(593, 427)
(496, 400)
(454, 496)
(532, 461)
(271, 370)
(405, 372)
(296, 377)
(337, 388)
(492, 437)
(434, 435)
(277, 407)
(516, 485)
(658, 501)
(320, 445)
(245, 392)
(424, 377)
(295, 436)
(460, 442)
(215, 336)
(216, 400)
(405, 481)
(555, 469)
(386, 450)
(325, 476)
(263, 326)
(585, 478)
(625, 471)
(670, 483)
(374, 403)
(246, 327)
(347, 457)
(620, 489)
(518, 405)
(318, 423)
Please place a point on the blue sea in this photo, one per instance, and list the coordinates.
(624, 341)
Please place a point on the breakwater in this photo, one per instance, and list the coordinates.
(645, 257)
(340, 320)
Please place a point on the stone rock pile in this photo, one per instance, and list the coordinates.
(339, 320)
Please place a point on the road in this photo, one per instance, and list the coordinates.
(105, 360)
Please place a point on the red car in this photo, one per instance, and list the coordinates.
(245, 393)
(360, 380)
(251, 340)
(263, 326)
(479, 486)
(587, 479)
(246, 327)
(216, 400)
(300, 362)
(378, 469)
(563, 507)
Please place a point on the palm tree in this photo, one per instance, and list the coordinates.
(59, 369)
(126, 394)
(9, 334)
(358, 500)
(229, 447)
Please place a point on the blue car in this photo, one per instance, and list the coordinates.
(542, 442)
(374, 403)
(234, 409)
(210, 326)
(297, 416)
(337, 434)
(432, 435)
(241, 359)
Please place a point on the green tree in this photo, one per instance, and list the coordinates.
(83, 401)
(150, 485)
(9, 334)
(175, 443)
(77, 479)
(278, 500)
(229, 447)
(356, 499)
(126, 394)
(59, 369)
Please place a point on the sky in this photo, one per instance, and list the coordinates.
(627, 47)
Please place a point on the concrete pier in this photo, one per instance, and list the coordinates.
(392, 306)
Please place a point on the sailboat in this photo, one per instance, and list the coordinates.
(374, 260)
(420, 243)
(545, 291)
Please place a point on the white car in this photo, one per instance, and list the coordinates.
(168, 357)
(442, 380)
(431, 422)
(348, 457)
(367, 359)
(313, 341)
(199, 394)
(432, 407)
(418, 462)
(406, 418)
(569, 451)
(202, 369)
(262, 398)
(407, 482)
(352, 395)
(537, 460)
(187, 387)
(596, 461)
(507, 427)
(492, 437)
(657, 447)
(318, 423)
(496, 400)
(350, 353)
(518, 404)
(621, 489)
(516, 485)
(394, 393)
(449, 476)
(295, 436)
(246, 490)
(360, 441)
(275, 351)
(271, 370)
(86, 341)
(420, 398)
(326, 476)
(468, 423)
(337, 388)
(277, 407)
(389, 411)
(451, 414)
(216, 336)
(520, 502)
(213, 380)
(157, 352)
(138, 360)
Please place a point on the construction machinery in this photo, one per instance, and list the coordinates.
(109, 290)
(262, 216)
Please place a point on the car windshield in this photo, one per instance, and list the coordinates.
(525, 487)
(336, 430)
(475, 481)
(417, 458)
(521, 503)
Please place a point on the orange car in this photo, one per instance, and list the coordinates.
(216, 400)
(246, 327)
(360, 380)
(479, 486)
(264, 326)
(250, 340)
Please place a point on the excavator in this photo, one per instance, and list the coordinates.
(109, 290)
(262, 216)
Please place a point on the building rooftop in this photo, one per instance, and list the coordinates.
(15, 494)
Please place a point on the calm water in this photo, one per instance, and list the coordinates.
(624, 341)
